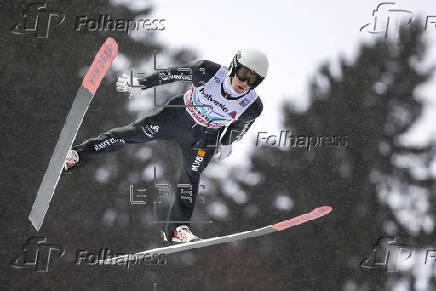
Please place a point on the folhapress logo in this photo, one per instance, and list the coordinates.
(388, 19)
(37, 19)
(37, 255)
(388, 254)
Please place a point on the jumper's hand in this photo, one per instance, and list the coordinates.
(224, 151)
(127, 84)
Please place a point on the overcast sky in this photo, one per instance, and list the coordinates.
(296, 36)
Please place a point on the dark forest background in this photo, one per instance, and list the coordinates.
(373, 101)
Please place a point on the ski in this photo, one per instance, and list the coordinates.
(84, 95)
(314, 214)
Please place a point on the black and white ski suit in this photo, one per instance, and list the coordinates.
(195, 120)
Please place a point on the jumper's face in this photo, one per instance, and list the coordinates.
(239, 86)
(244, 79)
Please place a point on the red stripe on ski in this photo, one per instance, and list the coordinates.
(314, 214)
(100, 65)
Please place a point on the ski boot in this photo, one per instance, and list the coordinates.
(71, 160)
(181, 234)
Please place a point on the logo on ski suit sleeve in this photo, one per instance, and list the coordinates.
(108, 142)
(150, 130)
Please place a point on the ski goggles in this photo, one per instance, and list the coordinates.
(245, 74)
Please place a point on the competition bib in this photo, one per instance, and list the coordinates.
(216, 111)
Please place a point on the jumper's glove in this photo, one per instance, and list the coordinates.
(127, 84)
(223, 151)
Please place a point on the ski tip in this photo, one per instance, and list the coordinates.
(324, 210)
(102, 61)
(111, 41)
(314, 214)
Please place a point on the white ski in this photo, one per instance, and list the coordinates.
(91, 82)
(314, 214)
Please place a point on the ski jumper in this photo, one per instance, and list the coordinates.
(195, 129)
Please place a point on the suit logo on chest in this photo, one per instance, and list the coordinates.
(244, 102)
(213, 100)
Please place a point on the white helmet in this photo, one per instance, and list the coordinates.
(253, 59)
